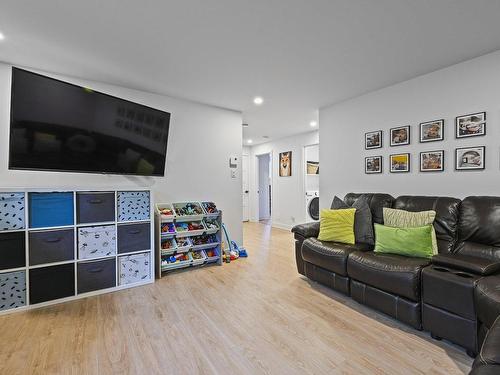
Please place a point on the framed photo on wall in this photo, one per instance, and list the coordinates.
(471, 125)
(373, 140)
(432, 161)
(373, 164)
(470, 158)
(400, 136)
(285, 169)
(400, 163)
(432, 131)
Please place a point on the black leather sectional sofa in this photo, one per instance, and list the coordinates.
(455, 295)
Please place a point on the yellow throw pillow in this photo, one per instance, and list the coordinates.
(337, 225)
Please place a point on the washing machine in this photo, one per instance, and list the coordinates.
(312, 206)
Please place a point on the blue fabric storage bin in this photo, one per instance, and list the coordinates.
(50, 209)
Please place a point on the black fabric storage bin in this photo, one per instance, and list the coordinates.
(96, 275)
(95, 207)
(53, 282)
(134, 237)
(12, 250)
(51, 246)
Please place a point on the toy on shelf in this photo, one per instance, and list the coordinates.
(167, 229)
(210, 208)
(188, 209)
(212, 254)
(205, 239)
(166, 212)
(183, 244)
(211, 225)
(175, 259)
(190, 227)
(168, 244)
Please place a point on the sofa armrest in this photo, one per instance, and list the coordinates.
(475, 265)
(306, 230)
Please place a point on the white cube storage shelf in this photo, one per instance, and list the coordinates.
(61, 245)
(188, 234)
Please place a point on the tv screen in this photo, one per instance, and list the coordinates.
(58, 126)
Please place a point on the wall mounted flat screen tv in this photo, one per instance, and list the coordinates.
(58, 126)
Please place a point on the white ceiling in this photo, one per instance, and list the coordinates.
(298, 55)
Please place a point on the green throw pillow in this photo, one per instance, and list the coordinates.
(407, 219)
(337, 225)
(411, 242)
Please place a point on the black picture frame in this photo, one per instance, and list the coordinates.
(458, 125)
(406, 128)
(439, 123)
(441, 169)
(408, 168)
(460, 155)
(380, 144)
(380, 170)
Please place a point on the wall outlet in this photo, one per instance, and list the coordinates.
(234, 174)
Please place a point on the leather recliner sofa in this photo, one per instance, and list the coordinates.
(455, 295)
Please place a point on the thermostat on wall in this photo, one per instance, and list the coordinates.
(233, 162)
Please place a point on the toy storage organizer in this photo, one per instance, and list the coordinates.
(62, 245)
(188, 234)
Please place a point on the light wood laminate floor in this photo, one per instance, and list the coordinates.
(253, 316)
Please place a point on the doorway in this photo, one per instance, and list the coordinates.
(265, 188)
(245, 185)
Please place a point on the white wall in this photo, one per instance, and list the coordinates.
(471, 86)
(201, 140)
(288, 194)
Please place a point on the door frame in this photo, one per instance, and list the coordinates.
(257, 183)
(304, 175)
(248, 174)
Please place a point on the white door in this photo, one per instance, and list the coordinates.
(244, 178)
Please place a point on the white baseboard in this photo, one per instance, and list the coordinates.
(281, 226)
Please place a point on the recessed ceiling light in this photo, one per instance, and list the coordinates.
(249, 141)
(2, 37)
(258, 100)
(313, 124)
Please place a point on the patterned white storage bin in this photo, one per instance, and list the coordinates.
(134, 268)
(96, 242)
(133, 205)
(12, 290)
(11, 211)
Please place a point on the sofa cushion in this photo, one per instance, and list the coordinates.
(479, 227)
(391, 273)
(363, 226)
(331, 256)
(446, 222)
(376, 202)
(487, 299)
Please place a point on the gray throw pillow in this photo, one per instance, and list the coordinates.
(363, 226)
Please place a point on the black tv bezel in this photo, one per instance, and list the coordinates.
(80, 170)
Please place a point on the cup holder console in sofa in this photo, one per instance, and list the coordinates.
(454, 296)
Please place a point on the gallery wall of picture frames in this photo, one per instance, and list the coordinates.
(466, 158)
